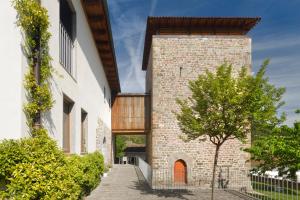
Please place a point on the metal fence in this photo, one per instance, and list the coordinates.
(66, 50)
(271, 189)
(235, 181)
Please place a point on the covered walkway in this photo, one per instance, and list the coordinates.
(125, 182)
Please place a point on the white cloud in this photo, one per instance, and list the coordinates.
(129, 31)
(287, 41)
(284, 69)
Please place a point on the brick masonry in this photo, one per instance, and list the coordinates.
(174, 60)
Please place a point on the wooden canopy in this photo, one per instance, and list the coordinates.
(96, 12)
(195, 26)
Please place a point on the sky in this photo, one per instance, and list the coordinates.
(276, 37)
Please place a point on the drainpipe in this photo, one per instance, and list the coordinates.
(37, 76)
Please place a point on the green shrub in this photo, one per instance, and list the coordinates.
(35, 168)
(87, 170)
(11, 154)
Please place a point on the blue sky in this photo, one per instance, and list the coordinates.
(276, 37)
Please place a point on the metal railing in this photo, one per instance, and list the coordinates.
(236, 182)
(262, 187)
(66, 50)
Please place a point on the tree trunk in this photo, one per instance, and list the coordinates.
(214, 171)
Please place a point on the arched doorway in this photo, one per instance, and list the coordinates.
(180, 172)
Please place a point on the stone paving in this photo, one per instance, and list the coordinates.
(123, 183)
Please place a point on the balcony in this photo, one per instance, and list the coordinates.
(66, 47)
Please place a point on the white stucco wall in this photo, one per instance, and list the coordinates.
(12, 119)
(86, 89)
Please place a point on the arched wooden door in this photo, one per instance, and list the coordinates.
(180, 172)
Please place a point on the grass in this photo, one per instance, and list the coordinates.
(266, 191)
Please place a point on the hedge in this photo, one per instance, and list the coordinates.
(35, 168)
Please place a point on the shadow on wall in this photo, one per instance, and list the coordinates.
(47, 117)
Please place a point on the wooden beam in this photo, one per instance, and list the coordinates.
(102, 42)
(99, 31)
(89, 2)
(95, 18)
(130, 132)
(104, 51)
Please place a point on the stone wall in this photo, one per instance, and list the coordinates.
(104, 141)
(174, 61)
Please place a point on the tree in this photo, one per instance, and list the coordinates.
(224, 106)
(280, 150)
(120, 146)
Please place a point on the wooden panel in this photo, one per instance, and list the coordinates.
(129, 114)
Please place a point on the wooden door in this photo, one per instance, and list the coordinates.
(66, 126)
(180, 172)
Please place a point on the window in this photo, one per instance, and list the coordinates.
(67, 108)
(84, 126)
(67, 34)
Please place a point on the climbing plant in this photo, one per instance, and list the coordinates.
(34, 23)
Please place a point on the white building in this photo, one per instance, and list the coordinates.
(84, 82)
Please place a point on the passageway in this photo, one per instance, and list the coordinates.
(125, 182)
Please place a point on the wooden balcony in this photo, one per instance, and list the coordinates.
(131, 114)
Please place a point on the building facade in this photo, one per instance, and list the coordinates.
(176, 51)
(84, 80)
(85, 84)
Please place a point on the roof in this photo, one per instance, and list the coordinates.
(96, 12)
(135, 149)
(195, 26)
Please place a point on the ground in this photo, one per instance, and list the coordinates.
(124, 183)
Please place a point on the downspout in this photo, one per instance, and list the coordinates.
(37, 76)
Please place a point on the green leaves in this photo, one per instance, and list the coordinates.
(35, 168)
(226, 104)
(279, 149)
(120, 145)
(33, 20)
(87, 170)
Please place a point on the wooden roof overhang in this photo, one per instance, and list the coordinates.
(195, 26)
(96, 12)
(131, 114)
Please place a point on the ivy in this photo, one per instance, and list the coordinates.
(33, 20)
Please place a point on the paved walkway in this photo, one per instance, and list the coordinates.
(122, 183)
